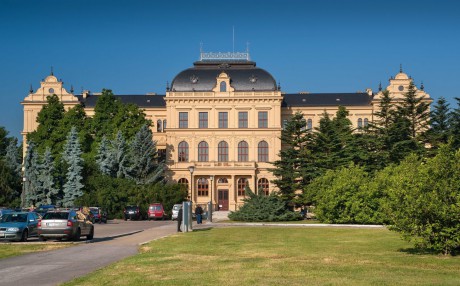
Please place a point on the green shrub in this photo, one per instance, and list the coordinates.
(262, 208)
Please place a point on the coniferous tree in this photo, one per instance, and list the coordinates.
(4, 140)
(73, 188)
(121, 156)
(415, 110)
(290, 170)
(46, 177)
(12, 159)
(439, 132)
(454, 125)
(31, 175)
(105, 157)
(145, 167)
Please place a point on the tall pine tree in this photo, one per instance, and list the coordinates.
(31, 176)
(47, 179)
(73, 187)
(439, 132)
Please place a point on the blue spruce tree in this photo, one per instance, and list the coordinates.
(121, 156)
(73, 188)
(145, 167)
(105, 157)
(50, 192)
(31, 177)
(12, 159)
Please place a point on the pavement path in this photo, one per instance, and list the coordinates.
(58, 266)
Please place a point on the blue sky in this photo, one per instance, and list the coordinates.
(135, 47)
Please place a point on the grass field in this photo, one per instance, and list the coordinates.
(13, 249)
(280, 256)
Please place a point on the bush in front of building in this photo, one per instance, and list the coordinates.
(263, 208)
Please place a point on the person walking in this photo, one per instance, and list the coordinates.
(199, 213)
(179, 219)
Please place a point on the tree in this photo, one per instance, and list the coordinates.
(145, 167)
(105, 157)
(31, 175)
(73, 188)
(259, 207)
(415, 109)
(121, 156)
(454, 124)
(49, 133)
(50, 192)
(439, 132)
(292, 168)
(424, 198)
(12, 158)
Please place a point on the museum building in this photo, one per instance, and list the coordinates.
(219, 122)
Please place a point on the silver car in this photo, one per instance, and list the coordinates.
(67, 224)
(175, 211)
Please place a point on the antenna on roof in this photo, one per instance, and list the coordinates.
(201, 46)
(233, 39)
(52, 70)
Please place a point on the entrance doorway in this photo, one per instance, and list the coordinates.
(222, 200)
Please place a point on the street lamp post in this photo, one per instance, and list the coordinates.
(191, 169)
(211, 178)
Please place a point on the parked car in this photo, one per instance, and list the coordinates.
(18, 226)
(43, 209)
(5, 211)
(132, 213)
(175, 211)
(156, 211)
(99, 215)
(68, 224)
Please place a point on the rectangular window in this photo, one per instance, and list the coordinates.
(263, 119)
(183, 119)
(203, 117)
(223, 119)
(242, 119)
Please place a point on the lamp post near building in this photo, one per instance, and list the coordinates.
(211, 178)
(191, 169)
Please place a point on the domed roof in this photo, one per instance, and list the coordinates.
(401, 75)
(244, 76)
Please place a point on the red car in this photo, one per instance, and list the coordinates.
(156, 211)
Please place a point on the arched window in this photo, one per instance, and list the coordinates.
(222, 181)
(159, 125)
(242, 183)
(309, 124)
(223, 86)
(366, 122)
(183, 152)
(203, 187)
(262, 152)
(360, 122)
(263, 186)
(164, 125)
(184, 182)
(243, 151)
(203, 151)
(222, 151)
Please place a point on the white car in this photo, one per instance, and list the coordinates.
(175, 211)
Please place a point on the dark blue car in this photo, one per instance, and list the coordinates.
(18, 226)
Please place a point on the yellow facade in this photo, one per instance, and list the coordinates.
(222, 119)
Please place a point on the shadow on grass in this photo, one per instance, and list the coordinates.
(420, 251)
(203, 229)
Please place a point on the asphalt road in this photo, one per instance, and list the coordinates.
(113, 241)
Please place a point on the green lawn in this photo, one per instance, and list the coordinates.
(280, 256)
(13, 249)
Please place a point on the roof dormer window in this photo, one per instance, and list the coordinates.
(223, 86)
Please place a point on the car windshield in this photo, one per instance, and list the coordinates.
(63, 215)
(155, 208)
(130, 208)
(14, 218)
(176, 207)
(94, 211)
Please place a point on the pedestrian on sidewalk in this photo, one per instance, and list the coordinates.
(198, 213)
(179, 219)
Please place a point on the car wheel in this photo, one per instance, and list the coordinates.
(77, 235)
(24, 236)
(90, 236)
